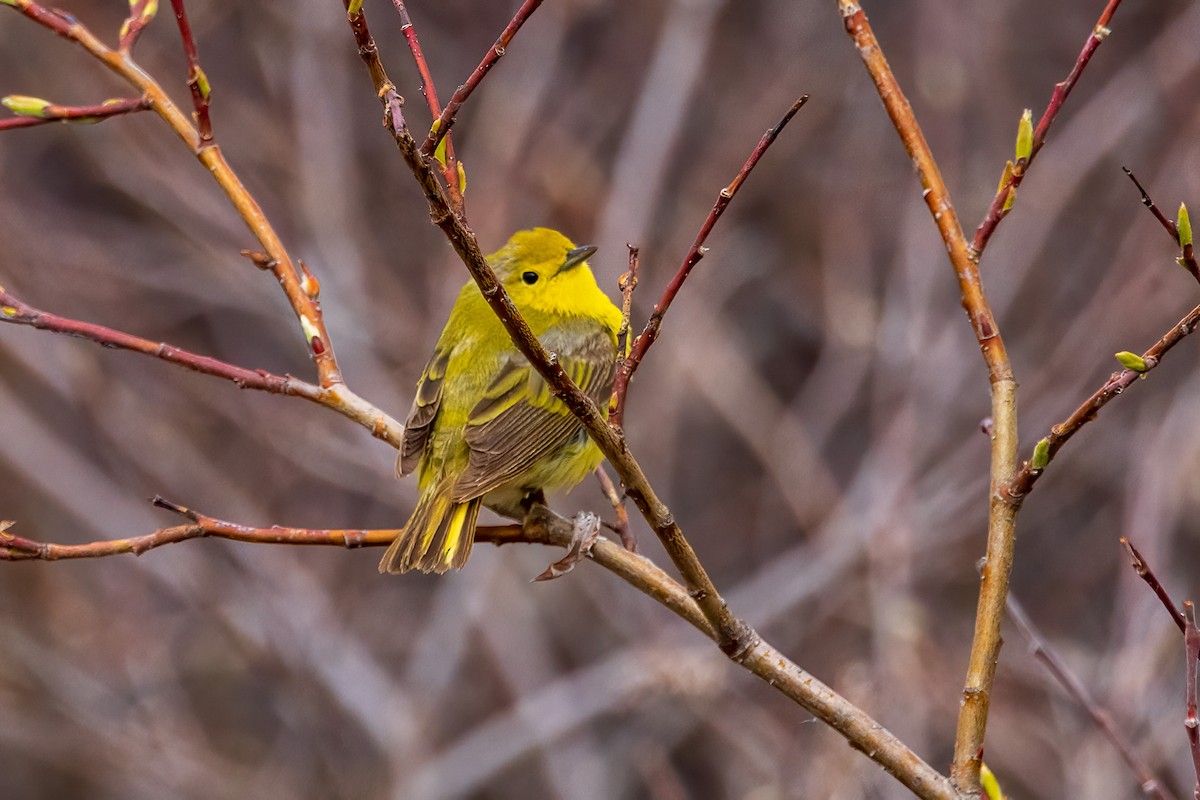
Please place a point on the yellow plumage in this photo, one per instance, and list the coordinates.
(484, 427)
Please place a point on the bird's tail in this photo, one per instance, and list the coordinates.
(437, 538)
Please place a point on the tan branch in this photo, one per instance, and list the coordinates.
(985, 646)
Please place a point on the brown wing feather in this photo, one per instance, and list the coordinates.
(424, 410)
(519, 421)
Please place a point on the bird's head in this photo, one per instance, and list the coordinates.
(543, 270)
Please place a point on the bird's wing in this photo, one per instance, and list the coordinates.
(519, 421)
(424, 409)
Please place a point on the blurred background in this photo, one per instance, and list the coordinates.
(811, 413)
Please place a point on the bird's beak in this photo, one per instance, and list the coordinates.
(578, 256)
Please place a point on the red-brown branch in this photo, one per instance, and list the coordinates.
(1188, 256)
(650, 333)
(338, 397)
(1023, 482)
(197, 81)
(1144, 572)
(77, 114)
(429, 90)
(450, 112)
(1000, 204)
(627, 284)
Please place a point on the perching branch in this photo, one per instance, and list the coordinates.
(733, 633)
(697, 251)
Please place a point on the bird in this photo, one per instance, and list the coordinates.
(485, 429)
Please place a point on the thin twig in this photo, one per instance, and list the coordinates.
(617, 501)
(697, 251)
(449, 114)
(1001, 204)
(1191, 637)
(627, 284)
(77, 114)
(338, 397)
(1187, 258)
(1150, 785)
(1023, 482)
(450, 169)
(141, 12)
(1146, 574)
(197, 81)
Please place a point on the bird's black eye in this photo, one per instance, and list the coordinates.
(529, 277)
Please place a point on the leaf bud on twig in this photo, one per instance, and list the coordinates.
(1132, 361)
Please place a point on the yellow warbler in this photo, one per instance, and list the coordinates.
(484, 427)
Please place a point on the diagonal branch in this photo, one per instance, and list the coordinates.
(1002, 203)
(441, 126)
(649, 334)
(450, 168)
(1022, 483)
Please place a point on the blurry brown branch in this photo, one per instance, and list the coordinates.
(1150, 785)
(736, 639)
(985, 646)
(441, 126)
(338, 397)
(300, 294)
(197, 81)
(1187, 258)
(450, 167)
(77, 114)
(1002, 203)
(1191, 637)
(1023, 482)
(649, 334)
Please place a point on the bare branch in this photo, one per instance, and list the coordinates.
(197, 81)
(1002, 203)
(1023, 482)
(442, 125)
(697, 251)
(450, 172)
